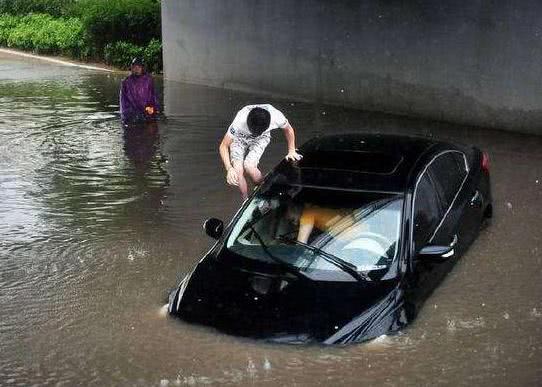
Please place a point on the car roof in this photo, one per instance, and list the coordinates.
(368, 162)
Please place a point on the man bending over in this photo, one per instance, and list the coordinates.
(246, 139)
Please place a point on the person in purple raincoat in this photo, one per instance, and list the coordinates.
(138, 99)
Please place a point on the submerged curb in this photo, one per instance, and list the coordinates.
(53, 60)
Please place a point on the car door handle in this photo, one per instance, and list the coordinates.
(452, 247)
(454, 241)
(476, 199)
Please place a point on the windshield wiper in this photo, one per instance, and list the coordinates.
(290, 268)
(345, 266)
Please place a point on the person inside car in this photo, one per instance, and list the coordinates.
(322, 218)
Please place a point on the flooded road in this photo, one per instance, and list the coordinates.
(97, 224)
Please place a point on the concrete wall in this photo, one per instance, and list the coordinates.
(468, 61)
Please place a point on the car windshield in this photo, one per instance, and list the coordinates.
(320, 231)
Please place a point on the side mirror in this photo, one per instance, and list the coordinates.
(213, 227)
(439, 252)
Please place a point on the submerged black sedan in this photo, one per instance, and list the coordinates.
(343, 246)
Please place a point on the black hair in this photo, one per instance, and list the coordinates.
(258, 120)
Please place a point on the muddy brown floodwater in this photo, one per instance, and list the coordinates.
(97, 225)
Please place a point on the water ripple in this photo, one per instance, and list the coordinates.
(98, 222)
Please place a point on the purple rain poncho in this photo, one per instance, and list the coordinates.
(136, 93)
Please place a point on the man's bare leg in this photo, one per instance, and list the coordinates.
(252, 159)
(254, 173)
(242, 182)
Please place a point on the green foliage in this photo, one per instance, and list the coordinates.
(42, 33)
(114, 30)
(152, 55)
(120, 54)
(7, 24)
(107, 21)
(23, 7)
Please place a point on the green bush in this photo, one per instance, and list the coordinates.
(43, 33)
(23, 7)
(120, 54)
(152, 54)
(114, 30)
(107, 21)
(7, 24)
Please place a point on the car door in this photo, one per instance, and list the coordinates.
(458, 226)
(470, 203)
(427, 212)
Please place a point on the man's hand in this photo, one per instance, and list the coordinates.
(293, 156)
(149, 110)
(231, 177)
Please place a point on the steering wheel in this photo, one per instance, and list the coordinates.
(364, 239)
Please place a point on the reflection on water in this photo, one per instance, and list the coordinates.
(98, 221)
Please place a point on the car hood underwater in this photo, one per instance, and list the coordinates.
(267, 301)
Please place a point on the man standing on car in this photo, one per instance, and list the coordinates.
(246, 139)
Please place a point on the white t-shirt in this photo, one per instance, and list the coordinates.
(239, 128)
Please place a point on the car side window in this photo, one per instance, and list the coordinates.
(427, 211)
(448, 172)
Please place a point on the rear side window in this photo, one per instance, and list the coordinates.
(448, 172)
(427, 211)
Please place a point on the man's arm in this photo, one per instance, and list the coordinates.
(304, 232)
(224, 150)
(306, 224)
(289, 133)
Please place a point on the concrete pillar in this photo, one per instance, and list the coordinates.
(472, 62)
